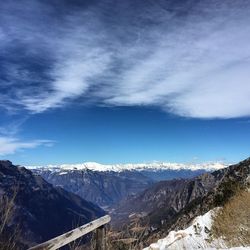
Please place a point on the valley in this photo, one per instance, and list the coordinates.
(107, 185)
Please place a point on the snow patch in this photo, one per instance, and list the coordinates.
(196, 236)
(63, 173)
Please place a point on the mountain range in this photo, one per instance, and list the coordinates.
(154, 166)
(143, 209)
(107, 185)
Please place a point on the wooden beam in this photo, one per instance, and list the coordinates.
(72, 235)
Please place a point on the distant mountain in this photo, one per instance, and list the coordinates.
(102, 188)
(39, 211)
(107, 185)
(137, 166)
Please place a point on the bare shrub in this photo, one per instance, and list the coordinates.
(232, 222)
(131, 236)
(8, 234)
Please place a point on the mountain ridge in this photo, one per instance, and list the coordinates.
(132, 166)
(106, 185)
(172, 205)
(40, 210)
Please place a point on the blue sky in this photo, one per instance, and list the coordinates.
(124, 81)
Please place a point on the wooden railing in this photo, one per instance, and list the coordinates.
(64, 239)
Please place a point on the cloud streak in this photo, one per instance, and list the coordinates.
(189, 58)
(10, 145)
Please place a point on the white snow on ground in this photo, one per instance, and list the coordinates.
(194, 237)
(139, 166)
(63, 173)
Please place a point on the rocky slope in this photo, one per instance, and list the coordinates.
(224, 227)
(102, 188)
(172, 205)
(39, 210)
(166, 198)
(196, 236)
(235, 177)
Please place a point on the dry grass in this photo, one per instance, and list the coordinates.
(232, 222)
(131, 236)
(8, 240)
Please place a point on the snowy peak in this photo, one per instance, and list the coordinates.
(94, 166)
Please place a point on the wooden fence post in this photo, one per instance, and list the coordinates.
(101, 238)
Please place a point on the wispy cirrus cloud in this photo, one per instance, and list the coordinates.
(189, 58)
(11, 145)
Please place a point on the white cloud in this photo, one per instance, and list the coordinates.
(196, 66)
(10, 145)
(200, 70)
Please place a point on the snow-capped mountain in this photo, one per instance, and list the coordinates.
(154, 166)
(106, 185)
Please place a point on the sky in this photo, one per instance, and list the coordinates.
(124, 81)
